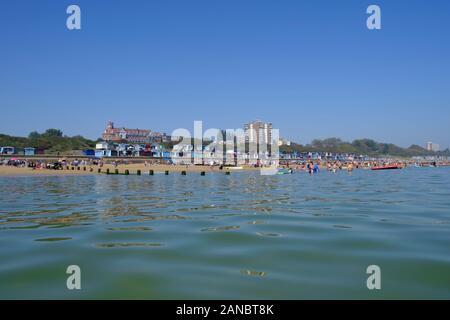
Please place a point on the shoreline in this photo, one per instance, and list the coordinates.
(41, 167)
(12, 171)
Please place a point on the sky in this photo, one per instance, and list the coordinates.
(312, 68)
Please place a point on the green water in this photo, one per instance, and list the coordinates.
(242, 236)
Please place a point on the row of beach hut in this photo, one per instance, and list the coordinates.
(28, 151)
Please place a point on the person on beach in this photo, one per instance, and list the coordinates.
(335, 167)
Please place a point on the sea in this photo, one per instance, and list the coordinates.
(238, 236)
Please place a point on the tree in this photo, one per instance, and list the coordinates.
(332, 142)
(53, 133)
(34, 135)
(317, 143)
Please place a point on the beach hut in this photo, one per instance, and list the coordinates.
(111, 153)
(102, 145)
(7, 150)
(104, 149)
(156, 150)
(99, 153)
(29, 151)
(89, 152)
(105, 153)
(166, 155)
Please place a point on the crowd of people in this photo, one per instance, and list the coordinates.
(49, 164)
(334, 166)
(309, 166)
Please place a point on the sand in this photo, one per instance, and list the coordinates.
(157, 168)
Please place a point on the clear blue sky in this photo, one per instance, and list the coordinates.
(310, 67)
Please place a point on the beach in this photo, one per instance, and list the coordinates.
(145, 168)
(132, 168)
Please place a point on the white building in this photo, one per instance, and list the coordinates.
(258, 132)
(102, 145)
(284, 142)
(434, 147)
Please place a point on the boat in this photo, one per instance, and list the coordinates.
(284, 171)
(390, 167)
(270, 171)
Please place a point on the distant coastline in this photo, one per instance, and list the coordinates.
(53, 143)
(126, 166)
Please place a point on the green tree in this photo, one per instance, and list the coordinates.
(53, 133)
(34, 135)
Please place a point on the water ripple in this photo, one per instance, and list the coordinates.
(188, 237)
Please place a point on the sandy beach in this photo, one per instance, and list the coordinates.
(157, 169)
(132, 168)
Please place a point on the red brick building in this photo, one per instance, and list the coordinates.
(112, 134)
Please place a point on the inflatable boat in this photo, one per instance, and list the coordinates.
(392, 167)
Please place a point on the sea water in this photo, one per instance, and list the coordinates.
(242, 236)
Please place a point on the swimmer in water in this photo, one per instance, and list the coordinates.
(316, 168)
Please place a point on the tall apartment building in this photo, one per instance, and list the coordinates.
(258, 132)
(430, 146)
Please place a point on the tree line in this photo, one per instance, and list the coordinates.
(362, 147)
(51, 140)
